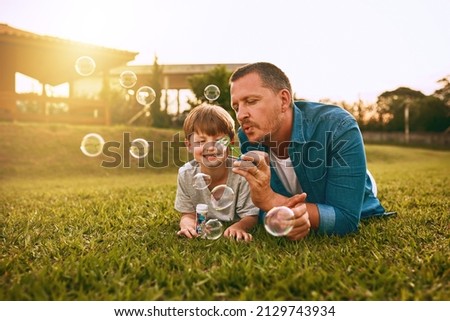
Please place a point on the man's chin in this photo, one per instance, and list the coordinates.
(255, 138)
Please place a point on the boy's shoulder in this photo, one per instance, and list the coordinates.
(189, 167)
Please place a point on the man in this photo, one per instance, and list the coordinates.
(300, 147)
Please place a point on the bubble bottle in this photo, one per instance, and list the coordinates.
(202, 211)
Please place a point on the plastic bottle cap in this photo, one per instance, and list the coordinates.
(202, 207)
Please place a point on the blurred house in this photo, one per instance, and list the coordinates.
(51, 61)
(65, 94)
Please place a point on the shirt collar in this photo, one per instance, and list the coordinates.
(297, 126)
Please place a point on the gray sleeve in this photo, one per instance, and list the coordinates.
(245, 206)
(183, 199)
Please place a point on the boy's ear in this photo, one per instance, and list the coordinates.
(188, 144)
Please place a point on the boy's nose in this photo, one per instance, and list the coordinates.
(209, 146)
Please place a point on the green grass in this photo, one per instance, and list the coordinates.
(71, 230)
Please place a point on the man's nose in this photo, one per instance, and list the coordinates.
(242, 114)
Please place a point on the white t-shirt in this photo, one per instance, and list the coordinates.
(286, 173)
(188, 197)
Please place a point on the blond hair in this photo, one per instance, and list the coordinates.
(210, 120)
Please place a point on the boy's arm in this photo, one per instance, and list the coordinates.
(240, 229)
(187, 225)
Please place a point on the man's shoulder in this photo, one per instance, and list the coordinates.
(320, 108)
(316, 112)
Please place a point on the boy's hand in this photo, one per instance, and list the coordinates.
(189, 232)
(238, 234)
(187, 225)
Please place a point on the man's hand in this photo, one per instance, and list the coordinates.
(295, 200)
(302, 224)
(254, 167)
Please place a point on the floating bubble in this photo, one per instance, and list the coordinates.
(221, 145)
(201, 181)
(279, 221)
(139, 148)
(85, 66)
(213, 229)
(212, 93)
(145, 95)
(222, 196)
(127, 79)
(225, 140)
(92, 145)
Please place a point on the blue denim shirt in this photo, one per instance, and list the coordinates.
(328, 156)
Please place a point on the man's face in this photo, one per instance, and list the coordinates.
(258, 109)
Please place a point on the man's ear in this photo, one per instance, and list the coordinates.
(286, 100)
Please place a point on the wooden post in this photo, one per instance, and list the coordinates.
(407, 122)
(106, 99)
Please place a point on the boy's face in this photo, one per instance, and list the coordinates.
(208, 150)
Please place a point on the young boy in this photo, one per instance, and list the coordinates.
(203, 127)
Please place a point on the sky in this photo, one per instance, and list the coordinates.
(343, 50)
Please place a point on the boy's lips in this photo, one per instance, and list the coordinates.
(210, 156)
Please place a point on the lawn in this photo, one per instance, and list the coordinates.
(71, 229)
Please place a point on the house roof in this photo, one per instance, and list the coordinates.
(50, 59)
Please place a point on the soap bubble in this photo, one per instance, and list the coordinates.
(201, 181)
(222, 196)
(139, 148)
(279, 221)
(213, 229)
(221, 145)
(127, 79)
(212, 93)
(85, 66)
(92, 145)
(145, 95)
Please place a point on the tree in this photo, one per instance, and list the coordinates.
(218, 76)
(394, 105)
(159, 118)
(432, 115)
(444, 92)
(116, 101)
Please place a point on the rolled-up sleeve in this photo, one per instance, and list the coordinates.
(327, 218)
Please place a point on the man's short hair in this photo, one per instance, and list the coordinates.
(271, 76)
